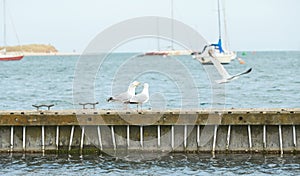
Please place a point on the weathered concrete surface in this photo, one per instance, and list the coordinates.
(201, 117)
(240, 130)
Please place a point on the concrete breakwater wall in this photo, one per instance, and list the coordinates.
(216, 131)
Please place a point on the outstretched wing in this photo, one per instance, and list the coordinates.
(219, 67)
(233, 77)
(243, 73)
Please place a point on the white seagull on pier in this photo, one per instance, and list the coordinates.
(125, 96)
(226, 77)
(141, 98)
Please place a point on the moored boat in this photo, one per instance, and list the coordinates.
(169, 53)
(8, 57)
(224, 56)
(3, 55)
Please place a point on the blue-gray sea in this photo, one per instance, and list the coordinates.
(172, 164)
(273, 83)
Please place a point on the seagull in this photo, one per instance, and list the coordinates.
(141, 98)
(226, 77)
(125, 96)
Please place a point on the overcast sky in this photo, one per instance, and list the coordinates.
(71, 24)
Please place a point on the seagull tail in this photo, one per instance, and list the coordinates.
(110, 99)
(130, 102)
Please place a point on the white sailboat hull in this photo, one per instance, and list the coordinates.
(223, 58)
(3, 55)
(169, 53)
(11, 57)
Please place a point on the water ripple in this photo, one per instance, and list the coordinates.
(172, 164)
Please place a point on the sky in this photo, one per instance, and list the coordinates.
(69, 25)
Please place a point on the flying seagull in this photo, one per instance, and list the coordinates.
(226, 77)
(141, 98)
(125, 96)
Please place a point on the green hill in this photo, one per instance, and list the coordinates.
(31, 48)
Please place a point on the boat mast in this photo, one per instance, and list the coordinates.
(158, 42)
(219, 45)
(172, 25)
(226, 38)
(219, 20)
(4, 24)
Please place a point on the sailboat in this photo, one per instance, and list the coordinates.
(170, 51)
(4, 56)
(223, 55)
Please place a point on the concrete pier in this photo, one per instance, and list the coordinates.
(89, 130)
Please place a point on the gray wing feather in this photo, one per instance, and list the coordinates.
(219, 67)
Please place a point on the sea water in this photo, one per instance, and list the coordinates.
(171, 164)
(273, 83)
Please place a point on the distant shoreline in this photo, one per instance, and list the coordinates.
(78, 54)
(50, 54)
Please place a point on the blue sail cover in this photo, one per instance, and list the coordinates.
(219, 46)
